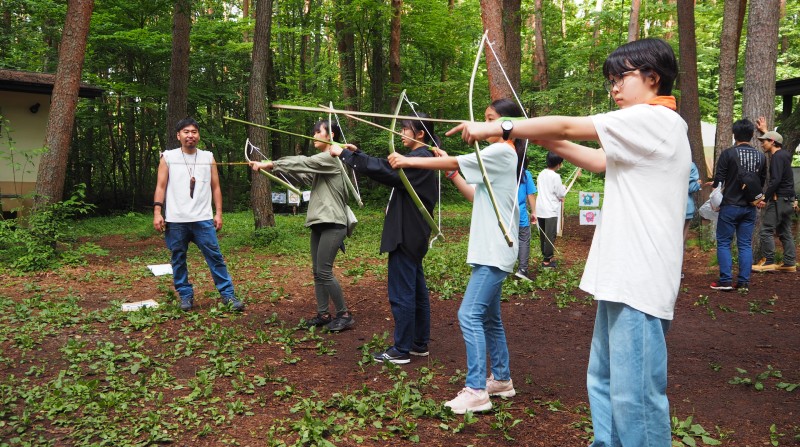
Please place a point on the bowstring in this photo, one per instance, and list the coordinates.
(438, 172)
(355, 177)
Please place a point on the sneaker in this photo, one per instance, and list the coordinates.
(770, 267)
(319, 321)
(502, 388)
(235, 303)
(522, 276)
(550, 265)
(343, 321)
(419, 350)
(761, 261)
(186, 303)
(742, 287)
(788, 268)
(469, 399)
(724, 286)
(391, 355)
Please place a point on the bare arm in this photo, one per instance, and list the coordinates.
(433, 163)
(466, 190)
(160, 195)
(532, 205)
(216, 194)
(584, 157)
(539, 128)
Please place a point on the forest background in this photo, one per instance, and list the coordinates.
(161, 60)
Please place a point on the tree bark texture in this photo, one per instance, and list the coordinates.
(394, 46)
(690, 95)
(761, 56)
(347, 59)
(178, 94)
(733, 15)
(633, 20)
(53, 164)
(260, 191)
(501, 20)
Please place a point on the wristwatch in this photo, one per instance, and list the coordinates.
(507, 125)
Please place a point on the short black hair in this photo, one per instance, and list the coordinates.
(329, 127)
(649, 56)
(743, 130)
(553, 160)
(186, 122)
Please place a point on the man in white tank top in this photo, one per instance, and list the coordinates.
(187, 182)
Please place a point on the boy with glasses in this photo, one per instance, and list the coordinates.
(634, 264)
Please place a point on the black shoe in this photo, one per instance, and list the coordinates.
(187, 303)
(742, 287)
(319, 321)
(522, 275)
(419, 350)
(343, 321)
(391, 355)
(235, 303)
(550, 264)
(724, 286)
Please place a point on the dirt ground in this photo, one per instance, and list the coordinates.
(713, 334)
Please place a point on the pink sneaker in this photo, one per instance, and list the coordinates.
(469, 399)
(502, 388)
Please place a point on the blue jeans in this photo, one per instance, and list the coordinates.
(627, 378)
(410, 302)
(482, 326)
(738, 220)
(204, 235)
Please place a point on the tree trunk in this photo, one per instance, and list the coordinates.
(347, 59)
(761, 56)
(260, 191)
(304, 39)
(178, 94)
(633, 21)
(732, 18)
(501, 20)
(690, 96)
(541, 79)
(53, 164)
(394, 46)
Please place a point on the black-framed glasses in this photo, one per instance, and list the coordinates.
(611, 83)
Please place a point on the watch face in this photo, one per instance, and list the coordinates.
(506, 125)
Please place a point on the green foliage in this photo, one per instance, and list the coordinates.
(34, 244)
(758, 381)
(689, 434)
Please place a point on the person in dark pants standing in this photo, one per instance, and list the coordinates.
(778, 208)
(737, 216)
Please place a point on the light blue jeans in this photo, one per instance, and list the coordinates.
(482, 326)
(627, 378)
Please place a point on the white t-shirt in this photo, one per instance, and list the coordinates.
(637, 250)
(487, 246)
(179, 206)
(551, 191)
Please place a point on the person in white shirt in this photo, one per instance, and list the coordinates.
(548, 207)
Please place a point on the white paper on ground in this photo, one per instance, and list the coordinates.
(160, 269)
(128, 307)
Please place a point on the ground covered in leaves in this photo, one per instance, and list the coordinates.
(75, 370)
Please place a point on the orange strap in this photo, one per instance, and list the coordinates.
(666, 101)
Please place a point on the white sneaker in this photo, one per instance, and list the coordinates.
(502, 388)
(522, 276)
(469, 399)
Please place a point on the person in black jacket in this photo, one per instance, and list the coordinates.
(737, 216)
(405, 238)
(778, 208)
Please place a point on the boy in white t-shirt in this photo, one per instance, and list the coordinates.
(634, 264)
(548, 207)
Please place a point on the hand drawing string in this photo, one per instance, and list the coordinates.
(254, 148)
(438, 173)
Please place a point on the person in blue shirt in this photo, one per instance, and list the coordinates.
(526, 195)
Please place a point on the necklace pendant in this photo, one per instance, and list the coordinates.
(191, 188)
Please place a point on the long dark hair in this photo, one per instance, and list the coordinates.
(423, 125)
(508, 108)
(330, 127)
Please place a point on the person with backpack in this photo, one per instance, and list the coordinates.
(742, 169)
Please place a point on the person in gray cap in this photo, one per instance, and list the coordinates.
(778, 205)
